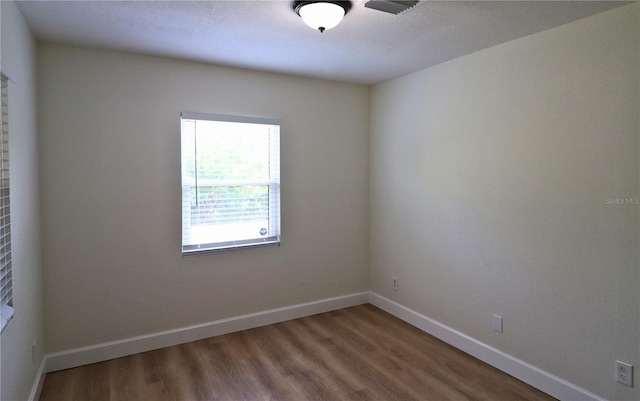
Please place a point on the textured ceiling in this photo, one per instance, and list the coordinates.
(369, 46)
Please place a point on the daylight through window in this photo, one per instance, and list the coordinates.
(230, 182)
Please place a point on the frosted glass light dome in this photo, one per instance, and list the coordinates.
(321, 15)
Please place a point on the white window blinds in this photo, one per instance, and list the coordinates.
(6, 283)
(230, 182)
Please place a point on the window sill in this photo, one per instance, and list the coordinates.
(194, 250)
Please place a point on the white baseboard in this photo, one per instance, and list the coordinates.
(536, 377)
(39, 382)
(129, 346)
(521, 370)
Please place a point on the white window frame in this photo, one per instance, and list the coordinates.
(6, 273)
(273, 182)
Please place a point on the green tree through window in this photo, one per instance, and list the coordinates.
(230, 181)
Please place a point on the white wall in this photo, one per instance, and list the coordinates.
(18, 53)
(489, 183)
(110, 175)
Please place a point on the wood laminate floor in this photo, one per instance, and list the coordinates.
(359, 353)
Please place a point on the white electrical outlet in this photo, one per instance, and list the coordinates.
(394, 283)
(624, 373)
(34, 353)
(497, 323)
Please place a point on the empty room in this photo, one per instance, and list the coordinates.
(320, 200)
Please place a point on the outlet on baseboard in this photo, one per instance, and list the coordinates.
(624, 373)
(394, 283)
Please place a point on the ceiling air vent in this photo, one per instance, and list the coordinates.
(390, 6)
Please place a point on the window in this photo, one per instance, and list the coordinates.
(6, 283)
(230, 183)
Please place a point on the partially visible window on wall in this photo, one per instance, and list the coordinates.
(6, 283)
(230, 183)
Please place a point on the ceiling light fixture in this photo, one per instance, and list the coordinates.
(323, 14)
